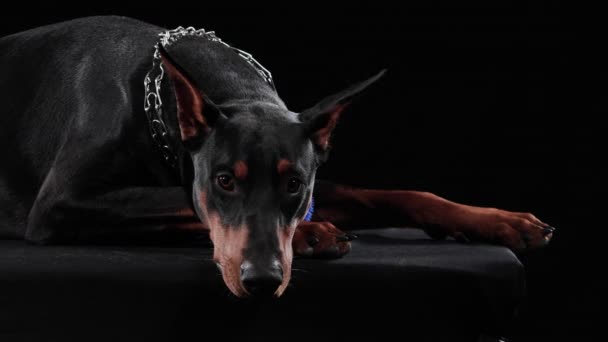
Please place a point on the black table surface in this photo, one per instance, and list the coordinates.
(394, 281)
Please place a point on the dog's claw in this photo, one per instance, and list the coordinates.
(352, 236)
(548, 230)
(342, 238)
(346, 237)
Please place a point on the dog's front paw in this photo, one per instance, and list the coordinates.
(321, 240)
(518, 231)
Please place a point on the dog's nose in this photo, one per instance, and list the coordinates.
(261, 281)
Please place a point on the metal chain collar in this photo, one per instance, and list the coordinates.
(152, 101)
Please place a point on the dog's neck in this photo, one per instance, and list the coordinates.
(221, 73)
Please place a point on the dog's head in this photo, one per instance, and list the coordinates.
(254, 172)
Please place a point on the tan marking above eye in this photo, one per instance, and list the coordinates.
(240, 170)
(283, 166)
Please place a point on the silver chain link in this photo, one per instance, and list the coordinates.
(152, 101)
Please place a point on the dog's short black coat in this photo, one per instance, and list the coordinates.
(79, 162)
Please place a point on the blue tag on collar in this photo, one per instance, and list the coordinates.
(311, 209)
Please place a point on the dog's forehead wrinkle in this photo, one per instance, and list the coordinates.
(249, 137)
(261, 109)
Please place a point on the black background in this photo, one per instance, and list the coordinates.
(494, 104)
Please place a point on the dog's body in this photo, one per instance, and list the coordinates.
(73, 91)
(80, 163)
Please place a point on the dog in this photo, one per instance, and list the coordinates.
(115, 128)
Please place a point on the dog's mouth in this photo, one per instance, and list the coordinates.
(252, 268)
(247, 269)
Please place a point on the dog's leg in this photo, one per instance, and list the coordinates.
(320, 239)
(347, 208)
(137, 214)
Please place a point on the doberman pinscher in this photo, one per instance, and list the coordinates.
(208, 145)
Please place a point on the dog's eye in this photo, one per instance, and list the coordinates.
(293, 185)
(226, 182)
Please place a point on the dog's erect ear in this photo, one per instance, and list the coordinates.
(321, 119)
(196, 114)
